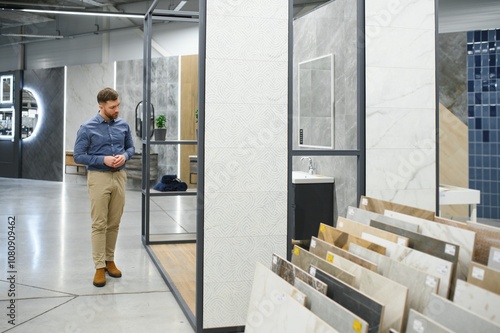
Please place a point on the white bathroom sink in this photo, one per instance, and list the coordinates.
(301, 177)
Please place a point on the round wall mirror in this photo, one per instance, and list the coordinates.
(29, 114)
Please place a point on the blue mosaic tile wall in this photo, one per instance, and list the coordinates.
(483, 79)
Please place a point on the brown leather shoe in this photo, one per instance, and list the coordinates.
(112, 270)
(100, 277)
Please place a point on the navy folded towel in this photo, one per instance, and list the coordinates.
(170, 183)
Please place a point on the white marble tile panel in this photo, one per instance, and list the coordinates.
(461, 237)
(494, 258)
(457, 318)
(411, 169)
(246, 125)
(478, 300)
(423, 197)
(390, 48)
(257, 8)
(416, 87)
(389, 128)
(257, 38)
(420, 284)
(330, 311)
(440, 268)
(246, 82)
(245, 170)
(249, 214)
(418, 14)
(418, 323)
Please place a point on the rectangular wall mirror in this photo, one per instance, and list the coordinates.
(7, 89)
(315, 102)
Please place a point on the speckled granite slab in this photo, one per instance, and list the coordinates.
(288, 271)
(342, 239)
(330, 311)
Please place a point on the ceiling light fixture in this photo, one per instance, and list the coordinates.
(69, 12)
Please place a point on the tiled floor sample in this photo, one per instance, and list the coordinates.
(425, 253)
(268, 292)
(321, 248)
(463, 238)
(478, 300)
(457, 318)
(352, 299)
(484, 277)
(289, 272)
(303, 259)
(379, 206)
(342, 239)
(330, 311)
(359, 230)
(365, 216)
(420, 285)
(418, 323)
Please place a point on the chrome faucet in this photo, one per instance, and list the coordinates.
(311, 169)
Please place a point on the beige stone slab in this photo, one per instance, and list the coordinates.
(420, 285)
(379, 206)
(463, 238)
(342, 239)
(418, 323)
(330, 311)
(289, 272)
(359, 229)
(365, 216)
(320, 248)
(390, 293)
(457, 318)
(478, 300)
(303, 259)
(285, 315)
(484, 277)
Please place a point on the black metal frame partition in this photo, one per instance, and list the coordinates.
(159, 15)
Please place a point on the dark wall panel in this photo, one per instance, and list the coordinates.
(42, 153)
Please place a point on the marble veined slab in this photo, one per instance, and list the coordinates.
(484, 277)
(478, 300)
(365, 216)
(321, 248)
(359, 229)
(494, 258)
(303, 259)
(418, 323)
(330, 311)
(289, 272)
(392, 294)
(285, 315)
(486, 237)
(352, 299)
(457, 318)
(427, 254)
(463, 238)
(379, 206)
(420, 285)
(342, 239)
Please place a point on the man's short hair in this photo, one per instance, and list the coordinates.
(107, 94)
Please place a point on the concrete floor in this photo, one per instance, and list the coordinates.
(53, 269)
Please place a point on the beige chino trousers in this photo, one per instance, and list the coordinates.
(107, 199)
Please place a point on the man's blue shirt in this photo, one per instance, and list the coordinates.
(97, 138)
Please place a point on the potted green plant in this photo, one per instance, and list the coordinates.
(161, 127)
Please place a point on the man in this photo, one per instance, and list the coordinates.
(104, 143)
